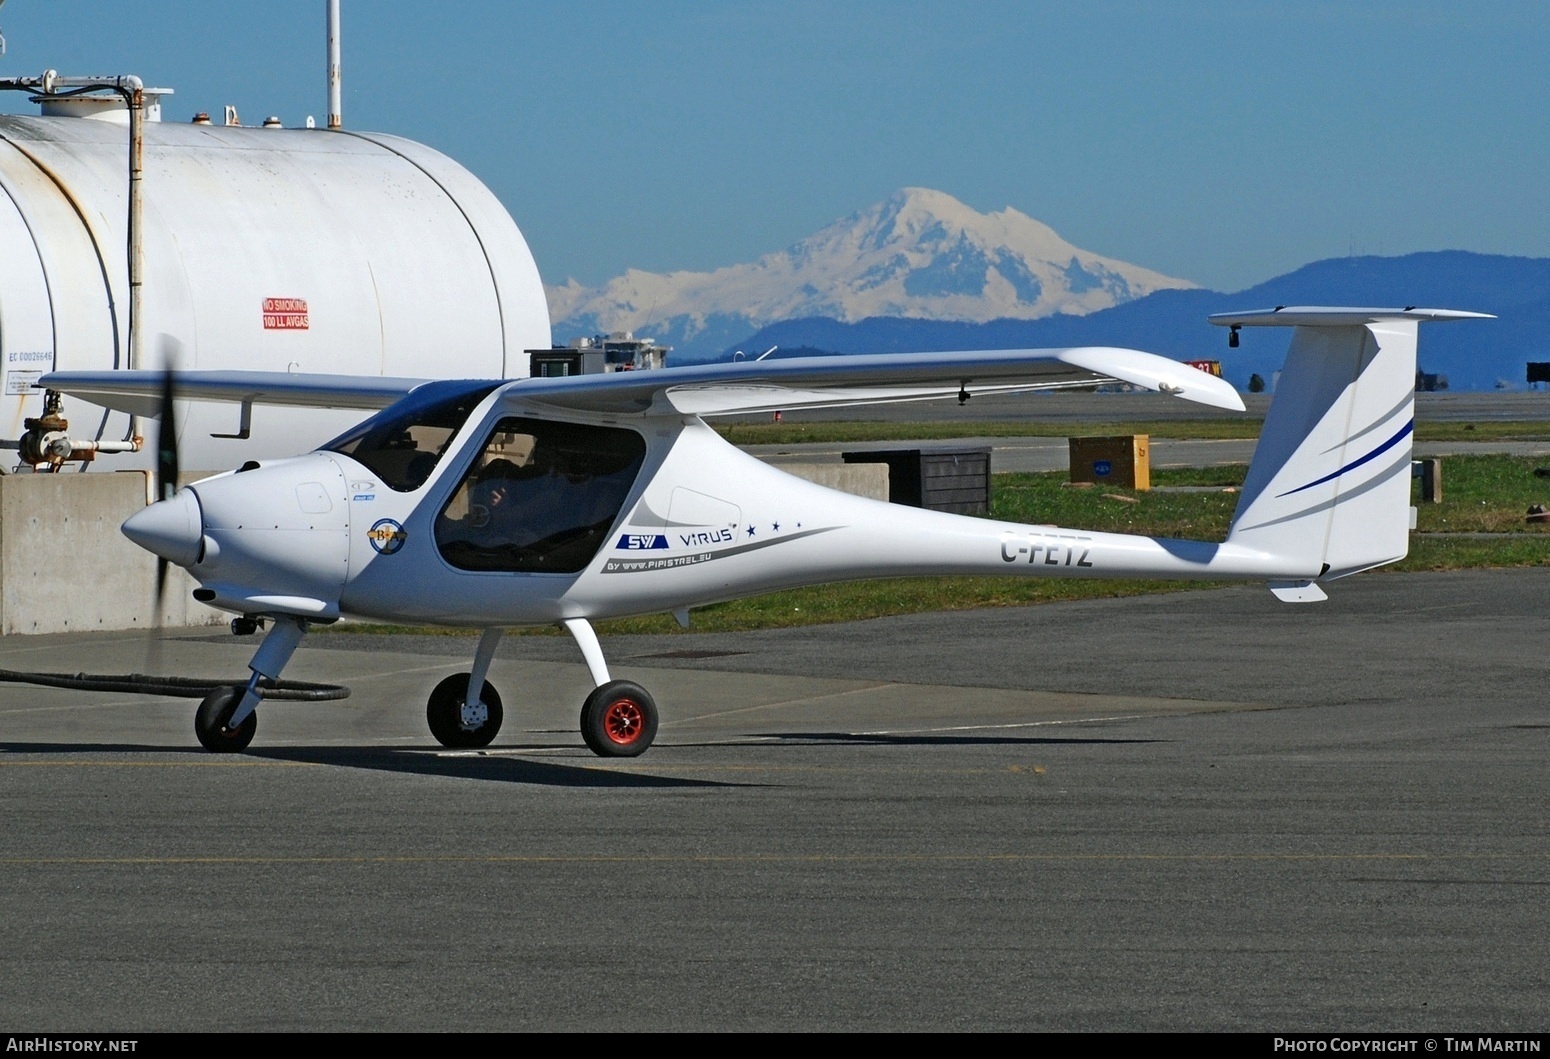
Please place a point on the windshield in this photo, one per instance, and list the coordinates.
(402, 444)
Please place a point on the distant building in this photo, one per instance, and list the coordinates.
(616, 351)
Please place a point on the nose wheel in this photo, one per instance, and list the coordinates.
(454, 722)
(619, 720)
(211, 722)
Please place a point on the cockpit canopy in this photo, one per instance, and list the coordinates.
(540, 497)
(403, 443)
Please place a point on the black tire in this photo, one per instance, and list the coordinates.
(619, 720)
(210, 722)
(444, 714)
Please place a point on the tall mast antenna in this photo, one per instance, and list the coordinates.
(335, 115)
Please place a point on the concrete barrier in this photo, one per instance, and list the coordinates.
(860, 479)
(65, 567)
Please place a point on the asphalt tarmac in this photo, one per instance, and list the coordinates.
(1204, 810)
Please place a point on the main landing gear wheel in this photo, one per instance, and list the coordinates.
(444, 713)
(619, 720)
(210, 722)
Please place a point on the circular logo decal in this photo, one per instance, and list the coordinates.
(386, 536)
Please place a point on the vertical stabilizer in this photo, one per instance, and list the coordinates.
(1329, 488)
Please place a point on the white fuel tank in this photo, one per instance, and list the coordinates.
(263, 248)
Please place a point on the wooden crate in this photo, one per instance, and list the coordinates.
(1120, 460)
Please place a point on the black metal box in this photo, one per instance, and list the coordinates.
(955, 480)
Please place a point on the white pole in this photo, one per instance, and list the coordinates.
(335, 116)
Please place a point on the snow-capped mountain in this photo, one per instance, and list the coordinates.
(920, 254)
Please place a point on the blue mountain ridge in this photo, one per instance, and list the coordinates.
(1474, 355)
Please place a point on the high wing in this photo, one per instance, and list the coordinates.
(828, 382)
(139, 392)
(707, 390)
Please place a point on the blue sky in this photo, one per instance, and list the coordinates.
(1224, 142)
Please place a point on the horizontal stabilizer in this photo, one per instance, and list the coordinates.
(1335, 316)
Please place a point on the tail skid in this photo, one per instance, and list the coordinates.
(1328, 491)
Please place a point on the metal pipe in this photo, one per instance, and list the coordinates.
(80, 448)
(335, 108)
(132, 89)
(136, 99)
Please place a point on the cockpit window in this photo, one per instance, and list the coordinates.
(402, 444)
(540, 498)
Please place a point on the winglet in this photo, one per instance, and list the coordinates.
(1156, 373)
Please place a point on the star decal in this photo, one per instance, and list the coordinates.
(750, 531)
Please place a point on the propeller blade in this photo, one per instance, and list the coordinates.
(171, 351)
(161, 590)
(166, 473)
(167, 438)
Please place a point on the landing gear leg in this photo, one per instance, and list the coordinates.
(457, 715)
(619, 718)
(226, 722)
(586, 639)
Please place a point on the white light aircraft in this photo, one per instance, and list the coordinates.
(491, 504)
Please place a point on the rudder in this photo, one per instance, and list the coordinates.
(1329, 486)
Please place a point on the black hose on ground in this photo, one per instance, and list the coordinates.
(178, 687)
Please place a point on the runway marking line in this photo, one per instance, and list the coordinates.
(1018, 724)
(864, 689)
(160, 764)
(794, 858)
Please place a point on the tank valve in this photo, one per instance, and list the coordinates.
(36, 444)
(47, 439)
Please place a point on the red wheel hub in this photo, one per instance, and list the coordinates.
(624, 721)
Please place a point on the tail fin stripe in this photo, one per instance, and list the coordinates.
(1404, 432)
(1399, 466)
(1380, 423)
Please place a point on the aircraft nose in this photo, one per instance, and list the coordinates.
(169, 528)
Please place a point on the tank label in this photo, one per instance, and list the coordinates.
(286, 314)
(23, 369)
(20, 382)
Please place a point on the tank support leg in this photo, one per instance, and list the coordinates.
(279, 644)
(483, 656)
(581, 630)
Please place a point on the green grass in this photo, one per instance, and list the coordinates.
(789, 433)
(1049, 498)
(1481, 494)
(1506, 431)
(1486, 494)
(1472, 553)
(799, 433)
